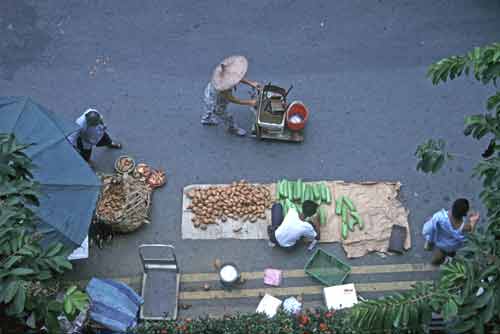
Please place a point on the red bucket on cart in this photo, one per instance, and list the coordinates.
(296, 116)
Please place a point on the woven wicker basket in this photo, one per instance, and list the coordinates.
(136, 208)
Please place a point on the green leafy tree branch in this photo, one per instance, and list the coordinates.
(467, 293)
(28, 271)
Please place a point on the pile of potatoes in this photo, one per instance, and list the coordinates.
(240, 200)
(112, 200)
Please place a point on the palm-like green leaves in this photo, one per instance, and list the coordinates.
(468, 291)
(483, 62)
(432, 156)
(408, 311)
(74, 301)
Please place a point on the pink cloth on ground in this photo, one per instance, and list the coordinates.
(273, 277)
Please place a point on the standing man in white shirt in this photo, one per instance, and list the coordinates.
(287, 232)
(92, 133)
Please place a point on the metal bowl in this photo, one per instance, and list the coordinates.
(143, 170)
(129, 169)
(229, 274)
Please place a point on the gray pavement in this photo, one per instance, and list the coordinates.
(359, 66)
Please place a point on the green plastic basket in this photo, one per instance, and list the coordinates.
(326, 268)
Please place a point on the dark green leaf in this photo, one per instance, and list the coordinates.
(4, 231)
(22, 271)
(467, 312)
(61, 261)
(463, 326)
(488, 312)
(438, 163)
(52, 265)
(483, 299)
(479, 328)
(71, 290)
(406, 315)
(55, 306)
(11, 290)
(450, 310)
(54, 249)
(389, 317)
(425, 314)
(8, 214)
(44, 275)
(10, 261)
(52, 323)
(68, 306)
(19, 300)
(25, 251)
(492, 270)
(397, 319)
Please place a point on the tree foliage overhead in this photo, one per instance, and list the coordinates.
(27, 271)
(467, 294)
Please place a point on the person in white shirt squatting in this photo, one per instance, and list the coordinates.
(286, 232)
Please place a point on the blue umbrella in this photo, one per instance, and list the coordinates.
(69, 186)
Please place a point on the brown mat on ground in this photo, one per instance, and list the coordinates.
(376, 202)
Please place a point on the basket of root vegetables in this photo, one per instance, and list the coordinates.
(237, 201)
(124, 202)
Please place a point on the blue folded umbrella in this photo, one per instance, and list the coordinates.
(69, 186)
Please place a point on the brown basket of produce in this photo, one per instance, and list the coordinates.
(124, 203)
(156, 179)
(124, 164)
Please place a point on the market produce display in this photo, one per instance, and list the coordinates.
(124, 202)
(142, 170)
(344, 207)
(291, 194)
(112, 200)
(124, 164)
(156, 179)
(125, 199)
(240, 200)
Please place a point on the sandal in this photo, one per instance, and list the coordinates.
(237, 131)
(115, 145)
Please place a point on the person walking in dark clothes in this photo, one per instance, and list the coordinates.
(92, 133)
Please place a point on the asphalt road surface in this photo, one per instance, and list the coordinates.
(360, 67)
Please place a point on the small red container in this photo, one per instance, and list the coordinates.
(299, 109)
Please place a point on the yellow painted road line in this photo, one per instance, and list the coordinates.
(299, 273)
(296, 273)
(292, 291)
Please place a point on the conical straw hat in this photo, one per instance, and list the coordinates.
(229, 72)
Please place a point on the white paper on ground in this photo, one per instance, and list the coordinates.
(81, 252)
(340, 296)
(292, 305)
(269, 305)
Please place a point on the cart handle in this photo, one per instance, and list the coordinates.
(143, 246)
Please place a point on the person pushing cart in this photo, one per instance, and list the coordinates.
(219, 93)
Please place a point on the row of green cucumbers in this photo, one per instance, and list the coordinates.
(344, 207)
(301, 192)
(291, 194)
